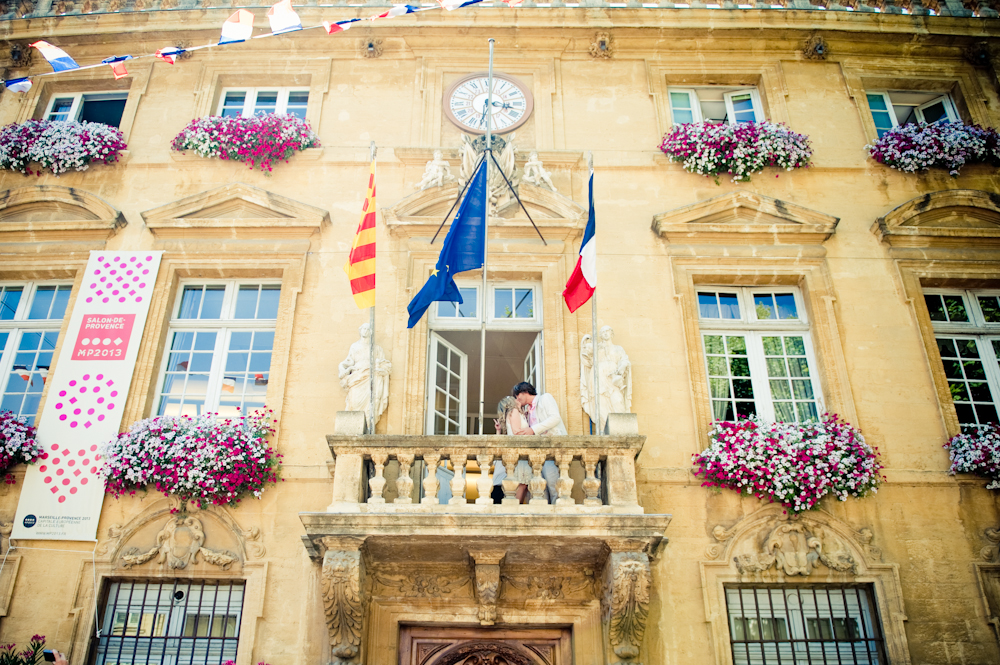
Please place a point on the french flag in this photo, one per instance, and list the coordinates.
(60, 61)
(341, 26)
(117, 64)
(583, 281)
(18, 85)
(283, 18)
(397, 10)
(237, 28)
(169, 54)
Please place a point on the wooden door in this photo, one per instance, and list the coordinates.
(430, 645)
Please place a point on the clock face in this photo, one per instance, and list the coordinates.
(465, 103)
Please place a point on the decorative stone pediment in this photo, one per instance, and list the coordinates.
(744, 217)
(186, 538)
(950, 218)
(772, 544)
(235, 211)
(54, 213)
(557, 216)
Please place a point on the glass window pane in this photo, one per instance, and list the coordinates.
(935, 307)
(267, 102)
(524, 303)
(41, 304)
(708, 306)
(882, 115)
(246, 302)
(190, 302)
(298, 102)
(267, 306)
(764, 306)
(955, 306)
(935, 112)
(729, 305)
(786, 306)
(990, 307)
(60, 302)
(61, 108)
(233, 104)
(211, 306)
(743, 108)
(503, 300)
(9, 299)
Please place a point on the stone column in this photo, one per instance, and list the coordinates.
(625, 599)
(341, 587)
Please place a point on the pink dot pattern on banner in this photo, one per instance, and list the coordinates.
(117, 278)
(86, 403)
(64, 473)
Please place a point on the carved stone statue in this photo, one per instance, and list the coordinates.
(536, 174)
(615, 375)
(353, 373)
(437, 173)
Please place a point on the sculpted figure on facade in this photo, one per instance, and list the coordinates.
(354, 372)
(536, 174)
(437, 173)
(614, 373)
(178, 545)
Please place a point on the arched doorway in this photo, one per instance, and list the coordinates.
(430, 645)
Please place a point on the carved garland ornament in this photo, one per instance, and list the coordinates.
(178, 544)
(422, 586)
(552, 587)
(342, 602)
(625, 603)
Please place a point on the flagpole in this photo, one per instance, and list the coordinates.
(593, 324)
(488, 110)
(371, 339)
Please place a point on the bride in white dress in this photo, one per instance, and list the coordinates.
(512, 420)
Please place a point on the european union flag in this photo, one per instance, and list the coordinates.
(463, 250)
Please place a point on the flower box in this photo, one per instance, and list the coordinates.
(203, 460)
(977, 452)
(259, 140)
(58, 145)
(740, 150)
(948, 145)
(794, 464)
(17, 444)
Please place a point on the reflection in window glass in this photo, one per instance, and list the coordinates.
(946, 307)
(49, 302)
(990, 307)
(10, 296)
(729, 377)
(232, 105)
(26, 378)
(775, 306)
(255, 301)
(202, 302)
(743, 108)
(465, 310)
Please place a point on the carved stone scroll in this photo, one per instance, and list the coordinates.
(625, 601)
(341, 586)
(487, 584)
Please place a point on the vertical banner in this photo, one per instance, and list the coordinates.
(63, 492)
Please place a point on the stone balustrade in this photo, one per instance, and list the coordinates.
(600, 468)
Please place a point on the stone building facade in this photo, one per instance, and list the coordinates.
(352, 558)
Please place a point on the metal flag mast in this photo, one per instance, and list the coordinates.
(593, 321)
(371, 339)
(483, 298)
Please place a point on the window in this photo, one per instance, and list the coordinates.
(30, 317)
(715, 104)
(103, 107)
(172, 623)
(823, 625)
(220, 342)
(248, 102)
(513, 354)
(894, 108)
(967, 330)
(759, 354)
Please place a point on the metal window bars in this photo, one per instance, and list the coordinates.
(175, 623)
(804, 625)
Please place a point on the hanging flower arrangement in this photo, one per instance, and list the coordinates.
(17, 444)
(794, 464)
(740, 150)
(58, 145)
(259, 140)
(977, 452)
(204, 460)
(948, 145)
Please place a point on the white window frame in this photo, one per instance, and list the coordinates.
(727, 97)
(80, 98)
(949, 106)
(753, 331)
(977, 329)
(492, 321)
(250, 103)
(21, 324)
(224, 326)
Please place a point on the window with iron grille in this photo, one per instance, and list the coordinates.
(798, 625)
(173, 623)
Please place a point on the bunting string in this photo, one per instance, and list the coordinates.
(236, 29)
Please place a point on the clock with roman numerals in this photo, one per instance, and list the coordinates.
(466, 100)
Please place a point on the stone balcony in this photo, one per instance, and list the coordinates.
(388, 531)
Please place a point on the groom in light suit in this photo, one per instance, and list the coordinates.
(543, 419)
